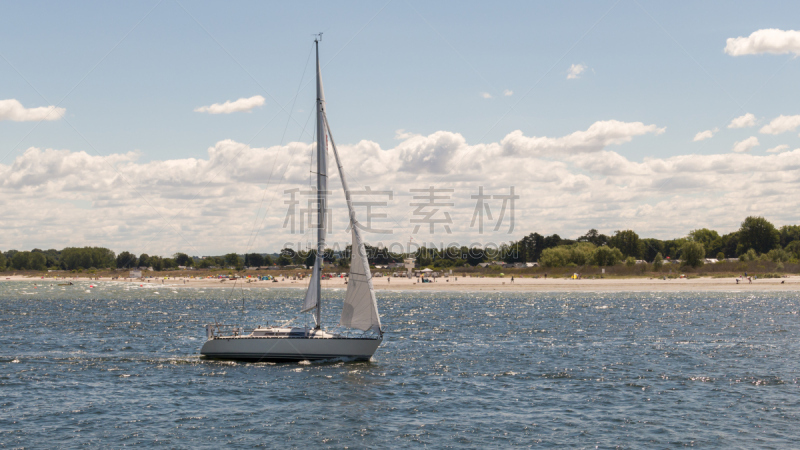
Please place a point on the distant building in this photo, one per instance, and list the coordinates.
(409, 264)
(136, 273)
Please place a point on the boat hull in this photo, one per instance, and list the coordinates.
(257, 349)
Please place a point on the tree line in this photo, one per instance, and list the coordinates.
(756, 238)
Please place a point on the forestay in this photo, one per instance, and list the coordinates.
(360, 309)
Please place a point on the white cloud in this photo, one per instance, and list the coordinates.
(781, 124)
(508, 93)
(402, 134)
(486, 95)
(770, 40)
(598, 136)
(221, 192)
(243, 104)
(745, 145)
(778, 148)
(575, 71)
(703, 135)
(12, 109)
(747, 120)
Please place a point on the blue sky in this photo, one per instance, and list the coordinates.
(130, 76)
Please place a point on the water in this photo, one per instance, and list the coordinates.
(118, 365)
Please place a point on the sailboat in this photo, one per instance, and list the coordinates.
(360, 309)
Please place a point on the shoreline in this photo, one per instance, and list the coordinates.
(458, 284)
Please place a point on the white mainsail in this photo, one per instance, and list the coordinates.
(312, 294)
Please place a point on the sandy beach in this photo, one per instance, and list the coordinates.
(791, 283)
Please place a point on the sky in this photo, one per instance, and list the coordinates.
(165, 126)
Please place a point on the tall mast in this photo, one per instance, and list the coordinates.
(322, 181)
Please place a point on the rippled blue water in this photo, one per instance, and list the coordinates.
(118, 365)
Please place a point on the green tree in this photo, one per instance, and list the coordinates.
(476, 255)
(551, 241)
(157, 263)
(581, 253)
(651, 248)
(205, 263)
(778, 255)
(606, 256)
(284, 260)
(126, 260)
(3, 261)
(749, 255)
(53, 256)
(658, 261)
(692, 254)
(20, 260)
(704, 236)
(729, 244)
(789, 234)
(530, 248)
(627, 241)
(555, 257)
(232, 259)
(630, 261)
(37, 261)
(310, 258)
(253, 260)
(793, 249)
(592, 236)
(720, 256)
(182, 259)
(759, 234)
(144, 260)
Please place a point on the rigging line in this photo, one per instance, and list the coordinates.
(283, 176)
(80, 81)
(275, 162)
(241, 66)
(214, 177)
(218, 172)
(532, 87)
(122, 178)
(266, 211)
(351, 39)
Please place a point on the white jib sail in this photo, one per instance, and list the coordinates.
(360, 309)
(312, 294)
